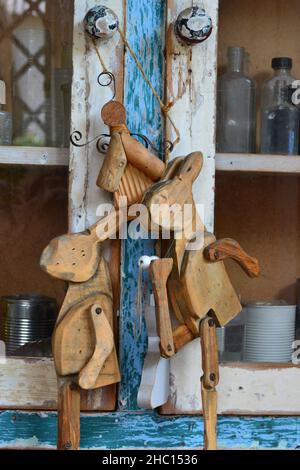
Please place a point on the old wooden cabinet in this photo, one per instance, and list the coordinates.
(253, 198)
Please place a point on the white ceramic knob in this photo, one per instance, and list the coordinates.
(101, 22)
(145, 261)
(193, 25)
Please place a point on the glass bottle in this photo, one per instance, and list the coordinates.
(5, 118)
(280, 123)
(236, 125)
(282, 74)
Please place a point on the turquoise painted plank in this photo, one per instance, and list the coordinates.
(148, 430)
(145, 32)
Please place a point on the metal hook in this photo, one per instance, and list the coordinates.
(111, 80)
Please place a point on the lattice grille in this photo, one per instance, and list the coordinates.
(27, 61)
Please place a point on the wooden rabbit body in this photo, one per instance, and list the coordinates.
(193, 278)
(83, 340)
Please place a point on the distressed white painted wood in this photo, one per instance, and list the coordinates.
(191, 82)
(42, 156)
(87, 100)
(282, 164)
(262, 389)
(28, 383)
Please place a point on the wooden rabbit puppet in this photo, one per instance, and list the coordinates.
(83, 341)
(193, 279)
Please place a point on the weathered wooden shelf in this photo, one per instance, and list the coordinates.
(244, 389)
(43, 156)
(258, 163)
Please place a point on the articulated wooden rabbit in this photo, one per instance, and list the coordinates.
(83, 341)
(193, 278)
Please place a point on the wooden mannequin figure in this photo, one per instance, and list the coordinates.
(83, 340)
(193, 279)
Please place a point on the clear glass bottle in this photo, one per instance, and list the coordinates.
(280, 123)
(5, 118)
(282, 67)
(236, 126)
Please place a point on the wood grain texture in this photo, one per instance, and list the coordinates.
(202, 287)
(72, 339)
(209, 400)
(141, 158)
(268, 205)
(85, 163)
(244, 389)
(68, 425)
(113, 166)
(209, 381)
(191, 81)
(227, 248)
(160, 271)
(104, 344)
(132, 186)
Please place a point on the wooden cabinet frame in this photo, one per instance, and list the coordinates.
(247, 389)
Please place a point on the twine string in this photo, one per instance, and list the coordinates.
(164, 107)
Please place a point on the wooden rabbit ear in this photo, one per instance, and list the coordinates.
(172, 168)
(191, 166)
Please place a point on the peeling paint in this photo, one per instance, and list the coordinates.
(148, 430)
(143, 116)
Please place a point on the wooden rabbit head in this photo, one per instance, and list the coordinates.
(71, 257)
(173, 194)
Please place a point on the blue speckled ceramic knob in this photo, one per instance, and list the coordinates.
(101, 22)
(193, 25)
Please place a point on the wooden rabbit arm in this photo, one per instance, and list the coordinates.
(113, 166)
(104, 344)
(229, 248)
(160, 270)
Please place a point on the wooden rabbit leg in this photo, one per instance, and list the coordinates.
(68, 409)
(160, 270)
(229, 248)
(209, 381)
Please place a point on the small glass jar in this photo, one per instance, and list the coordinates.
(236, 126)
(280, 123)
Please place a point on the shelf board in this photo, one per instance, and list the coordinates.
(258, 163)
(42, 156)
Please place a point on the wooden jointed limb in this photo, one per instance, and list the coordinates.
(104, 344)
(229, 248)
(209, 381)
(160, 270)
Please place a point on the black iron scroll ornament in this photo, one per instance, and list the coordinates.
(102, 140)
(101, 23)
